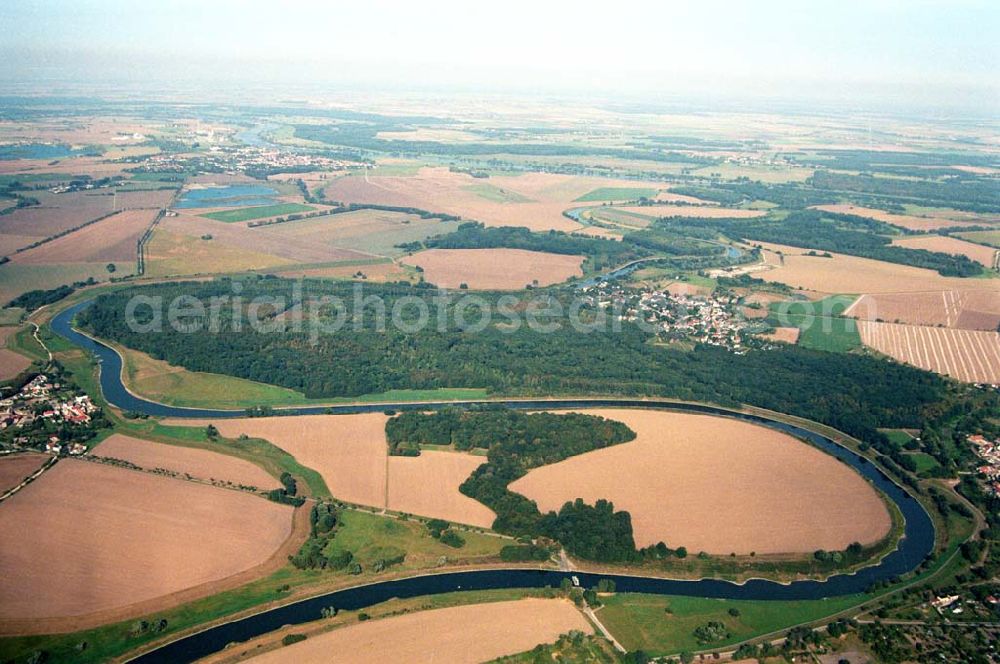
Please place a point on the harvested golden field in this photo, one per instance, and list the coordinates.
(11, 363)
(494, 269)
(147, 198)
(850, 274)
(377, 272)
(369, 232)
(15, 467)
(535, 200)
(787, 335)
(908, 221)
(349, 451)
(717, 485)
(170, 253)
(56, 213)
(428, 485)
(352, 455)
(111, 239)
(972, 356)
(259, 241)
(97, 538)
(694, 211)
(460, 634)
(985, 256)
(200, 464)
(969, 310)
(10, 243)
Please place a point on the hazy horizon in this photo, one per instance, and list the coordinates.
(888, 53)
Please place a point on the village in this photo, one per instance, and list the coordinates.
(241, 160)
(707, 319)
(48, 415)
(989, 452)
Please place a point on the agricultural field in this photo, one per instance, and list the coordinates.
(985, 256)
(991, 238)
(197, 463)
(785, 335)
(170, 253)
(111, 240)
(494, 269)
(496, 194)
(820, 325)
(364, 233)
(488, 631)
(125, 538)
(850, 274)
(611, 194)
(258, 212)
(17, 278)
(56, 213)
(717, 485)
(281, 246)
(409, 477)
(971, 356)
(692, 211)
(377, 272)
(15, 467)
(660, 624)
(350, 452)
(11, 363)
(969, 310)
(911, 222)
(546, 196)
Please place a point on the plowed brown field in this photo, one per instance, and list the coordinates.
(966, 355)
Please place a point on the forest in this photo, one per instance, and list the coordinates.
(826, 231)
(852, 392)
(516, 442)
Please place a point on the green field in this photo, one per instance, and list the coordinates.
(897, 437)
(925, 462)
(259, 212)
(617, 194)
(661, 625)
(820, 324)
(990, 238)
(371, 537)
(496, 194)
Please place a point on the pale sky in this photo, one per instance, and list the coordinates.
(919, 49)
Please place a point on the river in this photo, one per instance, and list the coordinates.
(917, 541)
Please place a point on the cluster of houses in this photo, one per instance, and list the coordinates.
(989, 452)
(708, 319)
(42, 401)
(953, 604)
(237, 160)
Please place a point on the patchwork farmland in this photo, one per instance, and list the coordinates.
(967, 355)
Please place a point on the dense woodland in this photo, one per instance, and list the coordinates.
(516, 443)
(852, 392)
(825, 231)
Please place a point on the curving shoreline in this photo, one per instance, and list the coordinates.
(917, 541)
